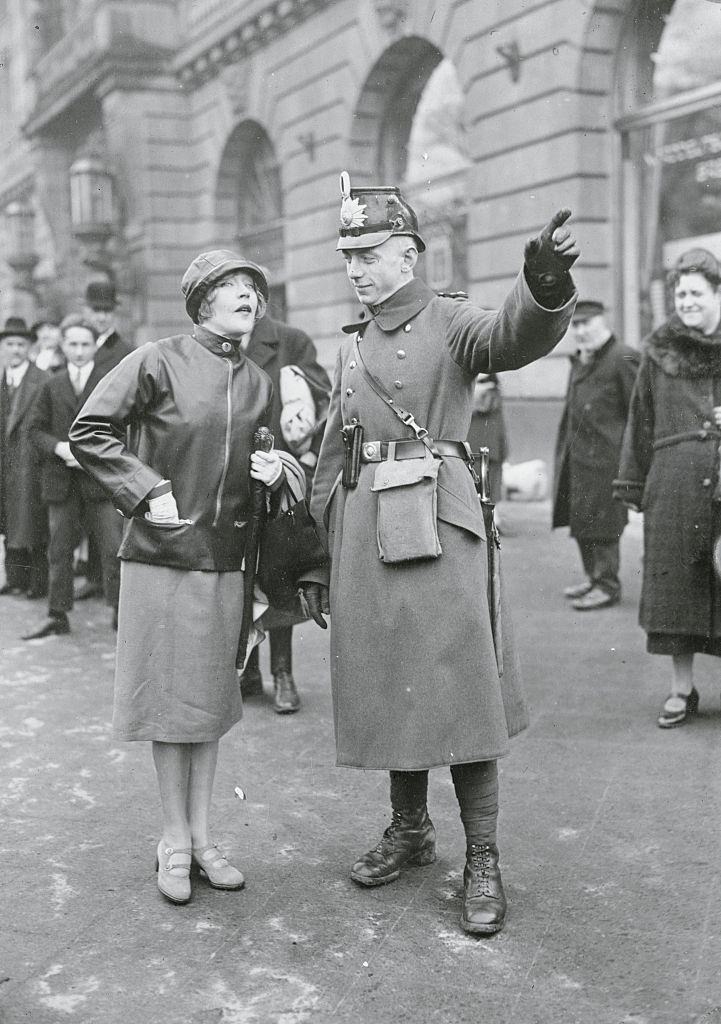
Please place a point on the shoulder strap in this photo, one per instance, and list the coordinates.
(406, 418)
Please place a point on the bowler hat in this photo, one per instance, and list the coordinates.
(698, 261)
(100, 295)
(207, 269)
(15, 327)
(586, 309)
(369, 216)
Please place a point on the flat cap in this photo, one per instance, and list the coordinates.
(587, 308)
(208, 268)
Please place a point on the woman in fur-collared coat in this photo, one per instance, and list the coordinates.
(670, 471)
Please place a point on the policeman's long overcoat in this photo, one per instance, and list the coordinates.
(669, 468)
(23, 517)
(589, 440)
(413, 670)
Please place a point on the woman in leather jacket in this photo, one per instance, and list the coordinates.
(168, 433)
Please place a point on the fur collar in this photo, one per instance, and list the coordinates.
(682, 351)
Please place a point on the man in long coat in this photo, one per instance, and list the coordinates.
(588, 449)
(414, 672)
(23, 520)
(274, 345)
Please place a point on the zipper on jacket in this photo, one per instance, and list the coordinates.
(226, 459)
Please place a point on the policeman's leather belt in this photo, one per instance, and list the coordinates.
(378, 451)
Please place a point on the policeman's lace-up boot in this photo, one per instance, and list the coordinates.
(409, 839)
(484, 901)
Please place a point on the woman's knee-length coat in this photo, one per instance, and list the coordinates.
(670, 469)
(413, 670)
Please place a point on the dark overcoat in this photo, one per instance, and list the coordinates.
(669, 469)
(274, 345)
(54, 410)
(589, 440)
(113, 349)
(23, 518)
(413, 670)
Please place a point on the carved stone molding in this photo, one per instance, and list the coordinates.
(235, 78)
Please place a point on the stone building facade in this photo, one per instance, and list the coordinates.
(134, 133)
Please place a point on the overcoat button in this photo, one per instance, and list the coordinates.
(226, 346)
(707, 424)
(351, 365)
(349, 391)
(587, 407)
(702, 435)
(397, 384)
(407, 328)
(401, 353)
(707, 482)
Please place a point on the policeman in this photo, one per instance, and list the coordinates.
(414, 673)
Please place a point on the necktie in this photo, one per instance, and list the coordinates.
(76, 379)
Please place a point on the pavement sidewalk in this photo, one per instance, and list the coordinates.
(609, 840)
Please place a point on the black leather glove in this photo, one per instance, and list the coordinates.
(549, 257)
(314, 601)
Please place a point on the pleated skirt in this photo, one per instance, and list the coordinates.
(175, 677)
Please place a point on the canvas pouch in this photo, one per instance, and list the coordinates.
(407, 529)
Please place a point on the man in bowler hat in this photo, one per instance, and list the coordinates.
(23, 521)
(414, 663)
(99, 311)
(588, 449)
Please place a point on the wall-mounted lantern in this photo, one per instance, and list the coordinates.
(92, 209)
(21, 254)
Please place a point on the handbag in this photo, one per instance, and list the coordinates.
(290, 546)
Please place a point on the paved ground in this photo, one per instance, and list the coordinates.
(609, 836)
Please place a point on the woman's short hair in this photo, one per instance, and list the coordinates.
(205, 309)
(77, 320)
(696, 261)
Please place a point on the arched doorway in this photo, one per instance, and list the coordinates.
(249, 205)
(408, 130)
(669, 104)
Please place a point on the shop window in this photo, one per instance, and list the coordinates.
(671, 153)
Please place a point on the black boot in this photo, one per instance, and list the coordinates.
(484, 901)
(285, 694)
(409, 839)
(251, 680)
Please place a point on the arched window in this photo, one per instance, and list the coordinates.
(670, 123)
(409, 132)
(249, 205)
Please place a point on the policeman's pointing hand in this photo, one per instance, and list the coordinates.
(554, 251)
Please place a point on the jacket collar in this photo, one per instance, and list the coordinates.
(218, 345)
(397, 310)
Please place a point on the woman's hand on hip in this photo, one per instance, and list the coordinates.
(266, 467)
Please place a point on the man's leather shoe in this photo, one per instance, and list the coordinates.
(87, 590)
(484, 901)
(56, 624)
(577, 590)
(8, 590)
(594, 599)
(251, 681)
(409, 839)
(285, 695)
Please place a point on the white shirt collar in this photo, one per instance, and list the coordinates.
(102, 338)
(14, 374)
(79, 375)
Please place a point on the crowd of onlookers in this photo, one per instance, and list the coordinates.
(52, 515)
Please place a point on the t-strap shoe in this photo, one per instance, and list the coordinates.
(173, 867)
(216, 869)
(677, 709)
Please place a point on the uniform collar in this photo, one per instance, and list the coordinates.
(397, 310)
(218, 345)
